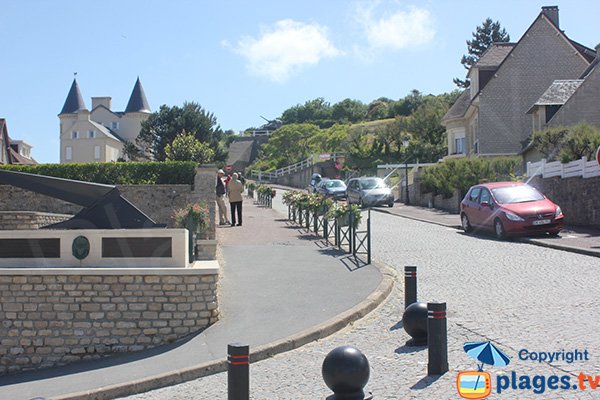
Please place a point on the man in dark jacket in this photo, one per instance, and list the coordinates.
(220, 192)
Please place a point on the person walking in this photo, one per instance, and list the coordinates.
(220, 192)
(235, 189)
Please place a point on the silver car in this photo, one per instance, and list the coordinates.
(369, 191)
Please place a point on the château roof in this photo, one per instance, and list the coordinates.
(74, 100)
(137, 101)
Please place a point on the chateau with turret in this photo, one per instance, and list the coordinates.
(99, 135)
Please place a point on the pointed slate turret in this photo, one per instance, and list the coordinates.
(74, 100)
(137, 101)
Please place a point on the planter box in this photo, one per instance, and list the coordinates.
(206, 249)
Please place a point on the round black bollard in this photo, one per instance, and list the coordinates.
(238, 372)
(414, 321)
(410, 285)
(437, 339)
(346, 372)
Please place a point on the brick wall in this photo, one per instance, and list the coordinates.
(577, 197)
(55, 317)
(11, 220)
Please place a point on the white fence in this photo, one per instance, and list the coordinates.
(582, 167)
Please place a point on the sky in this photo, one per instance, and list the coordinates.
(241, 60)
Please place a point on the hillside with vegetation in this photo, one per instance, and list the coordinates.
(367, 134)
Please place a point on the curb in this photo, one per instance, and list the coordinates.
(295, 341)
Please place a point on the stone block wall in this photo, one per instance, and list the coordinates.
(55, 317)
(577, 197)
(156, 201)
(10, 220)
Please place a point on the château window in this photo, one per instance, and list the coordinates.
(74, 135)
(68, 153)
(91, 134)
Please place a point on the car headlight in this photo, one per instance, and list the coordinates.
(558, 212)
(513, 217)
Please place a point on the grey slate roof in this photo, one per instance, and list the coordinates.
(494, 55)
(558, 93)
(460, 106)
(106, 131)
(74, 100)
(137, 101)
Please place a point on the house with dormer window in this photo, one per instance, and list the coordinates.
(490, 118)
(99, 135)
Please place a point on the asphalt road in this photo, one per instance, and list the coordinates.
(519, 295)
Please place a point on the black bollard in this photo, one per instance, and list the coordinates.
(410, 285)
(238, 372)
(346, 372)
(414, 321)
(437, 339)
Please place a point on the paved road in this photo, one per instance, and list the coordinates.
(519, 295)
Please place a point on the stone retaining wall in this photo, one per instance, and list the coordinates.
(577, 197)
(156, 201)
(58, 316)
(18, 220)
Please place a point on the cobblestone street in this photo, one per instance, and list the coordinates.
(518, 295)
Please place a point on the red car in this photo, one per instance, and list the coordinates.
(509, 208)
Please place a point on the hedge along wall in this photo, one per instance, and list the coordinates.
(156, 200)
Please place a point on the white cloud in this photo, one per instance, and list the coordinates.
(285, 49)
(396, 30)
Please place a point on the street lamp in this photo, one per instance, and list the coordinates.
(405, 143)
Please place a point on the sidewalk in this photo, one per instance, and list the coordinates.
(279, 289)
(574, 239)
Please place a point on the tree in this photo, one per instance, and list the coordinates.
(567, 143)
(186, 147)
(161, 128)
(489, 32)
(348, 110)
(316, 111)
(289, 144)
(549, 141)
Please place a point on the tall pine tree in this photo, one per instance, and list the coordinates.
(489, 32)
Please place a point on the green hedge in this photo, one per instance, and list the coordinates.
(117, 173)
(462, 173)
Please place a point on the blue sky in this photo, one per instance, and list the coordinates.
(241, 59)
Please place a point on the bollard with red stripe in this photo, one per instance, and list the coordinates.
(410, 285)
(238, 372)
(437, 339)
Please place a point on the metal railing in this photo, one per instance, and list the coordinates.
(346, 234)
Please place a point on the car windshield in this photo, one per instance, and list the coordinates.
(372, 183)
(334, 184)
(516, 194)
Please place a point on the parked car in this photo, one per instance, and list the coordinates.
(508, 209)
(334, 188)
(314, 181)
(369, 191)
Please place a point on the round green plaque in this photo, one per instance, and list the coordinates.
(81, 247)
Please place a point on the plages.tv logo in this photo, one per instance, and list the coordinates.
(478, 384)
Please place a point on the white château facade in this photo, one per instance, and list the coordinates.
(100, 134)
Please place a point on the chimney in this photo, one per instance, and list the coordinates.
(551, 12)
(598, 51)
(101, 101)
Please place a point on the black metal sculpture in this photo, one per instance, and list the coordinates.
(104, 207)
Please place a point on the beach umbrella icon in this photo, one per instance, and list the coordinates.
(486, 353)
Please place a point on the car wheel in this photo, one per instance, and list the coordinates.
(390, 205)
(499, 229)
(554, 234)
(466, 224)
(361, 203)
